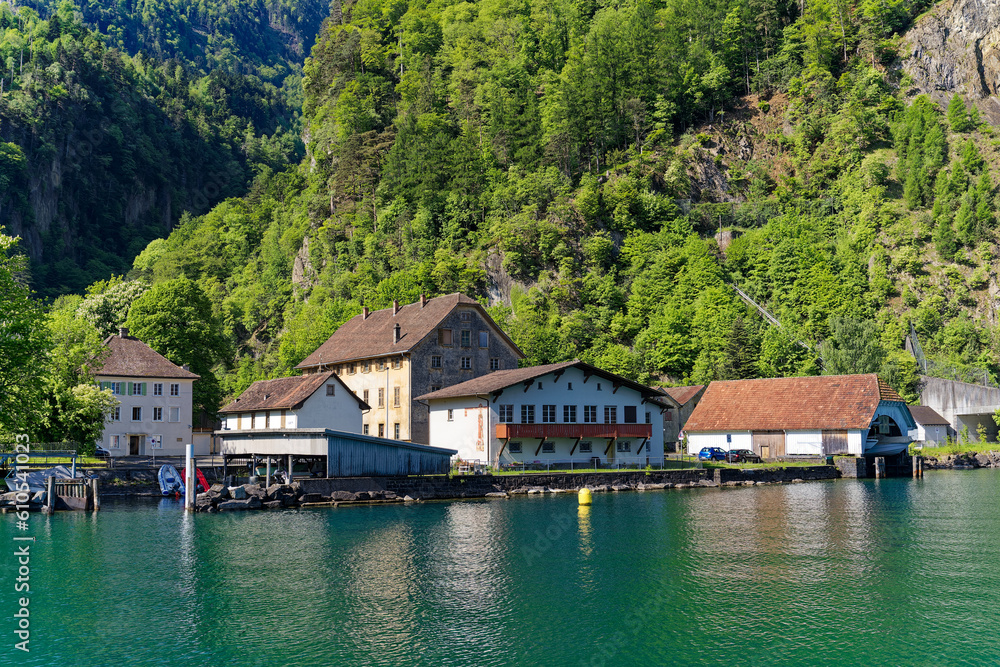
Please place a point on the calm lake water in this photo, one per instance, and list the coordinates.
(889, 572)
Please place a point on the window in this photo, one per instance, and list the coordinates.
(539, 385)
(598, 386)
(436, 361)
(381, 397)
(365, 396)
(527, 414)
(444, 337)
(586, 447)
(466, 316)
(174, 415)
(351, 369)
(649, 418)
(395, 397)
(466, 338)
(548, 447)
(397, 362)
(116, 442)
(610, 414)
(506, 414)
(137, 414)
(494, 363)
(381, 364)
(364, 429)
(435, 387)
(451, 415)
(548, 414)
(157, 389)
(647, 445)
(395, 431)
(629, 414)
(136, 388)
(116, 414)
(484, 339)
(366, 367)
(466, 363)
(624, 446)
(569, 414)
(157, 414)
(569, 386)
(331, 390)
(381, 430)
(590, 414)
(116, 388)
(514, 448)
(175, 389)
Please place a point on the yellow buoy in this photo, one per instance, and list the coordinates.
(584, 496)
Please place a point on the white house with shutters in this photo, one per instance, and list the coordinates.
(566, 413)
(154, 413)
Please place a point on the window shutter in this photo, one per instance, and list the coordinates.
(131, 389)
(142, 386)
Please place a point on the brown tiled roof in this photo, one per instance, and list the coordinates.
(361, 338)
(683, 394)
(498, 380)
(130, 357)
(284, 393)
(927, 416)
(825, 402)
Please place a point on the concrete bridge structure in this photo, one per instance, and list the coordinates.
(962, 404)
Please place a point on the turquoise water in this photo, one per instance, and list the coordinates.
(893, 572)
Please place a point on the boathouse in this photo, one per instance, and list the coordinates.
(566, 413)
(932, 428)
(802, 416)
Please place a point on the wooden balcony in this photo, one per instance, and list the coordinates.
(507, 431)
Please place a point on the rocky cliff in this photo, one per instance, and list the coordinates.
(955, 48)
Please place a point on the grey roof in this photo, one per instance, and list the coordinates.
(498, 380)
(364, 338)
(927, 416)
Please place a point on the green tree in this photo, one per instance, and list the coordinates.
(854, 346)
(958, 115)
(177, 319)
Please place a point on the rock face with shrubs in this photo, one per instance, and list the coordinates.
(964, 460)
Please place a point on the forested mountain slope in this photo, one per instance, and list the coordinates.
(602, 176)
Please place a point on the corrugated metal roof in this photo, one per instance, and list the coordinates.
(287, 393)
(363, 338)
(776, 404)
(129, 357)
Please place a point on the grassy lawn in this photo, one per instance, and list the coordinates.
(971, 447)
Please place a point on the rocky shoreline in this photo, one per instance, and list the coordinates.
(963, 461)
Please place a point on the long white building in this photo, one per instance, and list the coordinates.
(558, 413)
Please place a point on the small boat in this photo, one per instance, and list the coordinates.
(202, 482)
(170, 480)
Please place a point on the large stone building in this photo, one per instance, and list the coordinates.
(154, 414)
(389, 357)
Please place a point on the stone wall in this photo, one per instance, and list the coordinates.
(851, 467)
(775, 475)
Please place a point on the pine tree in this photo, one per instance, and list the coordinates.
(944, 240)
(958, 115)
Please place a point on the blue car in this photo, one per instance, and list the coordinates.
(712, 454)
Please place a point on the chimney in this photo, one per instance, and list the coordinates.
(123, 332)
(423, 300)
(186, 367)
(395, 333)
(364, 313)
(395, 306)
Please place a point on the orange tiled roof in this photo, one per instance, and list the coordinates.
(776, 404)
(684, 394)
(284, 393)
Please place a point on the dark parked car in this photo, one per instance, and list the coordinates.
(712, 454)
(102, 453)
(742, 456)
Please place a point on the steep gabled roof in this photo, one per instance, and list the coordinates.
(127, 356)
(498, 380)
(927, 416)
(285, 393)
(796, 403)
(364, 338)
(683, 394)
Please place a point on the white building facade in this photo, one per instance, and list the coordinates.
(556, 414)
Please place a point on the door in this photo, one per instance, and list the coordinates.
(133, 445)
(834, 442)
(771, 442)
